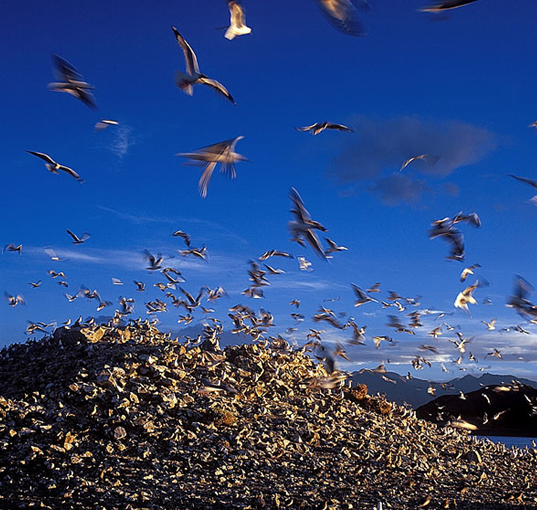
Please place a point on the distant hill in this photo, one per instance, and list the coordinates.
(413, 391)
(496, 410)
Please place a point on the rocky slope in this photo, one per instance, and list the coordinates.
(129, 418)
(497, 410)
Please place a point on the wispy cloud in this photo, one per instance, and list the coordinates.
(123, 141)
(373, 158)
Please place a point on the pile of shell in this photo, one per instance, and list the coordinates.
(124, 418)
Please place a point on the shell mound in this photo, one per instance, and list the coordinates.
(129, 418)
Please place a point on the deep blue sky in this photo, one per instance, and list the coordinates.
(461, 86)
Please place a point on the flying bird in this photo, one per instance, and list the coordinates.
(79, 240)
(430, 160)
(237, 23)
(71, 82)
(183, 235)
(104, 124)
(221, 152)
(465, 297)
(12, 247)
(468, 271)
(343, 16)
(318, 127)
(53, 167)
(302, 228)
(193, 74)
(446, 5)
(531, 182)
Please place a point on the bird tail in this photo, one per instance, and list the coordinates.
(182, 80)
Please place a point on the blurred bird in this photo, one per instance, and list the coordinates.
(446, 5)
(71, 82)
(221, 152)
(183, 235)
(333, 246)
(363, 298)
(531, 182)
(186, 81)
(318, 127)
(35, 285)
(53, 167)
(105, 123)
(12, 247)
(467, 271)
(343, 16)
(79, 240)
(302, 228)
(154, 262)
(237, 21)
(519, 300)
(465, 297)
(14, 300)
(430, 160)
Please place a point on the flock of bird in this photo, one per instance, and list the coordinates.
(303, 229)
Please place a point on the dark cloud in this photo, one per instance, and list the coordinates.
(379, 148)
(398, 187)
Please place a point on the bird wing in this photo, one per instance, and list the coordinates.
(339, 127)
(65, 70)
(216, 85)
(205, 178)
(343, 16)
(86, 97)
(43, 156)
(192, 66)
(446, 5)
(237, 14)
(531, 182)
(307, 128)
(71, 172)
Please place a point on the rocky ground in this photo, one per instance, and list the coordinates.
(128, 418)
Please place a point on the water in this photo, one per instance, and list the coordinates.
(519, 442)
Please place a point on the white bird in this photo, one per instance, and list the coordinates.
(53, 167)
(186, 81)
(71, 82)
(223, 153)
(105, 123)
(465, 297)
(237, 21)
(430, 160)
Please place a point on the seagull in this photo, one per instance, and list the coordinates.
(154, 262)
(221, 152)
(140, 286)
(12, 247)
(237, 22)
(318, 127)
(302, 229)
(14, 300)
(465, 297)
(430, 160)
(343, 16)
(79, 240)
(274, 253)
(105, 123)
(186, 81)
(333, 246)
(531, 182)
(53, 167)
(446, 5)
(305, 265)
(363, 298)
(35, 285)
(183, 235)
(490, 325)
(71, 81)
(468, 270)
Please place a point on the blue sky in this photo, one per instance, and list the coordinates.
(461, 86)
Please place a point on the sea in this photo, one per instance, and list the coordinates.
(519, 442)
